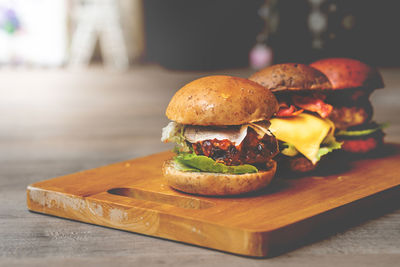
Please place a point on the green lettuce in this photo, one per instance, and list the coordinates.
(193, 162)
(362, 132)
(328, 145)
(173, 132)
(328, 148)
(289, 150)
(182, 167)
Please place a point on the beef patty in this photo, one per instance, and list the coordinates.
(252, 150)
(349, 116)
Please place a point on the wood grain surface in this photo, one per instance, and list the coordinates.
(56, 122)
(133, 195)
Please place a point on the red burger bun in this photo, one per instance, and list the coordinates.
(347, 73)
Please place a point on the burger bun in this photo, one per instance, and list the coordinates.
(291, 77)
(347, 73)
(217, 184)
(221, 100)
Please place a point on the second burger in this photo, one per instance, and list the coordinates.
(301, 125)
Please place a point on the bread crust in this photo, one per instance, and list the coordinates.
(291, 77)
(217, 184)
(221, 100)
(347, 73)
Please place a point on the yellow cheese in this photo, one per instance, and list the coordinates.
(305, 132)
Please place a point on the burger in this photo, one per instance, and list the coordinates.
(302, 124)
(352, 84)
(220, 125)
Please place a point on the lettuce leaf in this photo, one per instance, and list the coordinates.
(362, 132)
(328, 145)
(328, 148)
(182, 167)
(289, 150)
(190, 161)
(173, 132)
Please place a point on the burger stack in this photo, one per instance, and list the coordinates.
(229, 131)
(352, 84)
(301, 124)
(223, 145)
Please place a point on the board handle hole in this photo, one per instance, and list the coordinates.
(177, 201)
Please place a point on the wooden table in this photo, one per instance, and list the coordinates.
(55, 122)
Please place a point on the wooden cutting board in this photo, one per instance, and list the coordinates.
(133, 196)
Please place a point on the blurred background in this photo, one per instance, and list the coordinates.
(86, 79)
(196, 35)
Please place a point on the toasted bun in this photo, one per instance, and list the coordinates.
(221, 100)
(217, 184)
(291, 76)
(346, 73)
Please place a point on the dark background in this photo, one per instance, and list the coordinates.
(213, 34)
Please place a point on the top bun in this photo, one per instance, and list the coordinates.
(346, 73)
(291, 76)
(221, 100)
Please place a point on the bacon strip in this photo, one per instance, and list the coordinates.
(287, 111)
(314, 104)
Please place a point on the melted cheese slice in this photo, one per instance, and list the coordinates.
(235, 134)
(305, 132)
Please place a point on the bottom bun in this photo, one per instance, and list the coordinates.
(217, 184)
